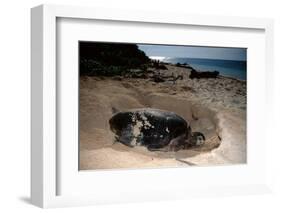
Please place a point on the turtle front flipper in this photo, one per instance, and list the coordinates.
(157, 144)
(157, 147)
(126, 136)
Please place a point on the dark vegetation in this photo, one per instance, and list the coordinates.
(158, 65)
(127, 61)
(115, 59)
(110, 59)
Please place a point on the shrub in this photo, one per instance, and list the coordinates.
(110, 59)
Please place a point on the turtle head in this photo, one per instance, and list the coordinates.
(197, 139)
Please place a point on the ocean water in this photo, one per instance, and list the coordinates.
(235, 69)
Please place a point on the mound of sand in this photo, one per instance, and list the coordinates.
(215, 107)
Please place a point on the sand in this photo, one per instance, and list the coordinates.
(215, 107)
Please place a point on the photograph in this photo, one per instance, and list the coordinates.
(161, 105)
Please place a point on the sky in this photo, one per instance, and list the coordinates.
(236, 54)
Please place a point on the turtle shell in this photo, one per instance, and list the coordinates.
(148, 127)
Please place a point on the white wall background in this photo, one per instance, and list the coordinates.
(15, 104)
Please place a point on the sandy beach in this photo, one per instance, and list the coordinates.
(216, 107)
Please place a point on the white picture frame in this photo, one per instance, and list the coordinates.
(45, 155)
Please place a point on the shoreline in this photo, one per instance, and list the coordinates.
(188, 66)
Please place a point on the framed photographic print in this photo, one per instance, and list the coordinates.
(130, 106)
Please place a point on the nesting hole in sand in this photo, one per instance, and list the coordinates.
(228, 97)
(201, 119)
(96, 134)
(97, 147)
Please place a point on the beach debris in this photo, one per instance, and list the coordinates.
(157, 77)
(198, 75)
